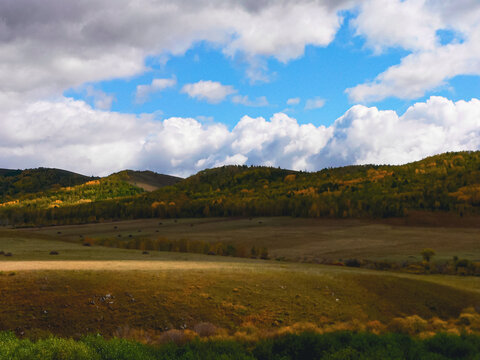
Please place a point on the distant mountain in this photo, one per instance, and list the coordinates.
(147, 180)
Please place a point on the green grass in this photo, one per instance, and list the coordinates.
(305, 346)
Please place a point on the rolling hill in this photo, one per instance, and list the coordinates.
(42, 189)
(16, 183)
(447, 183)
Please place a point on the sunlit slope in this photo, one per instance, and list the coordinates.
(172, 290)
(127, 183)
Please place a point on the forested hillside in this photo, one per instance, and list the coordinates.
(449, 182)
(16, 183)
(31, 193)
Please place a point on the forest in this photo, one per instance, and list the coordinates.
(448, 182)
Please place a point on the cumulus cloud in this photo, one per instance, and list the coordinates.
(414, 26)
(71, 134)
(90, 41)
(101, 40)
(210, 91)
(315, 103)
(245, 100)
(143, 91)
(420, 72)
(394, 23)
(110, 39)
(293, 101)
(368, 135)
(49, 46)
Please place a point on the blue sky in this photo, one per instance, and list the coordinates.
(321, 73)
(178, 87)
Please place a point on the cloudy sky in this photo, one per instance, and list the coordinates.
(96, 86)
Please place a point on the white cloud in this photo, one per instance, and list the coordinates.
(237, 159)
(244, 100)
(49, 46)
(293, 101)
(420, 72)
(57, 45)
(413, 25)
(54, 45)
(394, 23)
(210, 91)
(72, 135)
(101, 100)
(367, 135)
(315, 103)
(143, 91)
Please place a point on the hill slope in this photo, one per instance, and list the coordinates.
(41, 189)
(14, 183)
(444, 183)
(173, 289)
(147, 180)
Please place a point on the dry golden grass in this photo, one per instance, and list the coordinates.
(299, 239)
(95, 289)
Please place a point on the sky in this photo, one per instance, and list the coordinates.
(98, 86)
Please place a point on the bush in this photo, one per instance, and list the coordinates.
(205, 329)
(353, 263)
(411, 325)
(304, 346)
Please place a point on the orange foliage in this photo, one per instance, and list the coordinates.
(93, 182)
(470, 193)
(156, 204)
(311, 191)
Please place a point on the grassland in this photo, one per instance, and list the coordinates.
(295, 239)
(95, 289)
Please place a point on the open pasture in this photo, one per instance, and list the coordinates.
(295, 238)
(96, 289)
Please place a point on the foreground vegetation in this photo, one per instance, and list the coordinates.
(305, 346)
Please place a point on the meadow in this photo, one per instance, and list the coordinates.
(298, 239)
(127, 293)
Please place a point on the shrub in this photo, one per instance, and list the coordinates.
(411, 325)
(205, 329)
(453, 347)
(173, 336)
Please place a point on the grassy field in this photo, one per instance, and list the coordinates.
(294, 238)
(96, 289)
